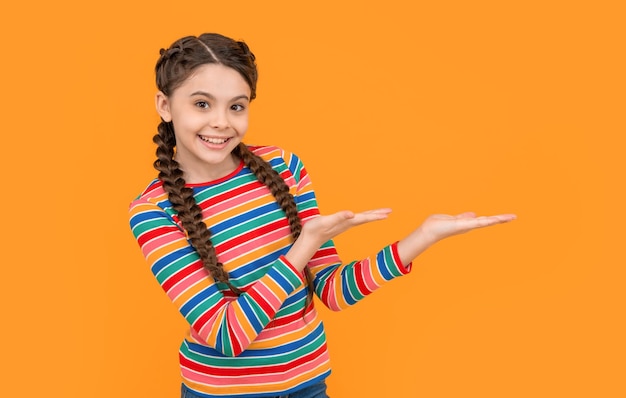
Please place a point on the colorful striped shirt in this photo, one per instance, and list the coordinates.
(260, 343)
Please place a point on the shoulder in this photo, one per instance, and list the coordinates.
(278, 157)
(153, 193)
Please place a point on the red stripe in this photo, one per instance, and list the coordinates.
(213, 200)
(327, 285)
(153, 187)
(153, 233)
(182, 274)
(284, 320)
(325, 252)
(204, 318)
(260, 300)
(255, 233)
(360, 283)
(303, 173)
(249, 371)
(304, 214)
(396, 257)
(235, 344)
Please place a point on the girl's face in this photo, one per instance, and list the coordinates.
(209, 112)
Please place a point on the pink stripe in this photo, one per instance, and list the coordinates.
(239, 200)
(248, 380)
(367, 275)
(263, 150)
(233, 328)
(331, 298)
(306, 180)
(269, 295)
(326, 260)
(280, 331)
(161, 241)
(187, 283)
(205, 330)
(255, 244)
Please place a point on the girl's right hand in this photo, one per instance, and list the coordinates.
(321, 229)
(324, 228)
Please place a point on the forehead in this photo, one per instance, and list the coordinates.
(215, 79)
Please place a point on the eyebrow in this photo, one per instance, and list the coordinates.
(211, 96)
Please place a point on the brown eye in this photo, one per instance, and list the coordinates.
(237, 108)
(202, 104)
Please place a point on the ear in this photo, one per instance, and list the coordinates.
(163, 106)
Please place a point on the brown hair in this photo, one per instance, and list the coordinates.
(174, 66)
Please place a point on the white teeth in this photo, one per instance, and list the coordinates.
(213, 140)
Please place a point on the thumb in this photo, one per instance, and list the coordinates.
(345, 214)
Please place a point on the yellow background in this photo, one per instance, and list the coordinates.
(425, 107)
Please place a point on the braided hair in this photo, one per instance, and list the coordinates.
(174, 66)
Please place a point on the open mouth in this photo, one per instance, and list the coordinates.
(216, 141)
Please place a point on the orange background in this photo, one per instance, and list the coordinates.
(436, 107)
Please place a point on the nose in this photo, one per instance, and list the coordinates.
(219, 119)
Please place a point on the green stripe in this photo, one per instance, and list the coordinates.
(352, 286)
(248, 226)
(241, 362)
(149, 225)
(389, 263)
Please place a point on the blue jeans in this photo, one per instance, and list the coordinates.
(315, 391)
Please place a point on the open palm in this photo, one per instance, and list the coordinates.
(327, 227)
(440, 226)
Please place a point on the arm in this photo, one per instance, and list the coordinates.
(340, 285)
(226, 323)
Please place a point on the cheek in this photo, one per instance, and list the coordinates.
(187, 123)
(241, 125)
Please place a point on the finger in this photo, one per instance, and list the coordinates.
(501, 218)
(365, 217)
(467, 214)
(485, 221)
(384, 210)
(344, 215)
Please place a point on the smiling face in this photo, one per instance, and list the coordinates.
(209, 112)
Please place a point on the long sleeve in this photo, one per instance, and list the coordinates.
(337, 284)
(261, 342)
(225, 323)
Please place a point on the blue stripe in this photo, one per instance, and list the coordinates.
(259, 263)
(149, 215)
(294, 167)
(251, 315)
(244, 217)
(170, 258)
(345, 287)
(197, 299)
(283, 349)
(382, 265)
(305, 197)
(282, 281)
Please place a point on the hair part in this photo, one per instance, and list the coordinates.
(176, 64)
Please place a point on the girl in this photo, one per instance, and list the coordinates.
(246, 282)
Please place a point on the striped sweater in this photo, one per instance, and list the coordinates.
(258, 344)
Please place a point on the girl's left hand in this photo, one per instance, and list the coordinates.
(440, 226)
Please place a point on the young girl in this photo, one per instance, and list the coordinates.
(234, 236)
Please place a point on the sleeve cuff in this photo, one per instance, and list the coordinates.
(404, 269)
(292, 271)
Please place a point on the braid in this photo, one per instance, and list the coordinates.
(277, 186)
(181, 197)
(174, 66)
